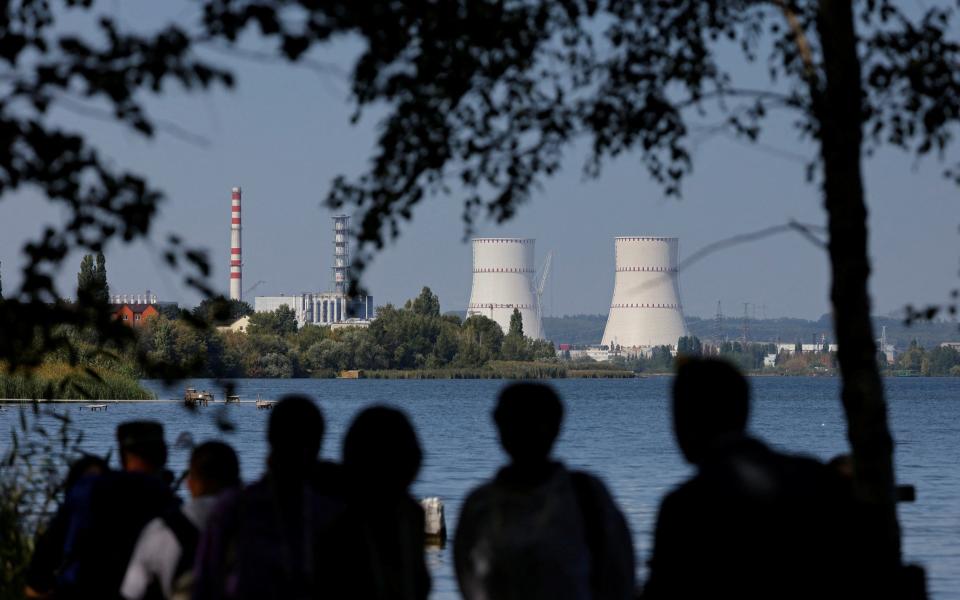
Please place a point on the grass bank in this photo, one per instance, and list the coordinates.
(504, 370)
(57, 381)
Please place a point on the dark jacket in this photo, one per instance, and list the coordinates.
(105, 515)
(545, 534)
(753, 523)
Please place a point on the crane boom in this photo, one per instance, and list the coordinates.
(542, 281)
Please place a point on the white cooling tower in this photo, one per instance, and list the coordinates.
(645, 310)
(503, 281)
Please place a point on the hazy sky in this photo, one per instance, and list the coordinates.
(283, 134)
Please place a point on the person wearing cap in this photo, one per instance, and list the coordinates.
(164, 555)
(107, 513)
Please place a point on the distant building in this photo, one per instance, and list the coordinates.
(804, 348)
(326, 308)
(238, 326)
(134, 314)
(770, 361)
(954, 345)
(351, 323)
(319, 308)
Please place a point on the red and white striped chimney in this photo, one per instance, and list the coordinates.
(236, 260)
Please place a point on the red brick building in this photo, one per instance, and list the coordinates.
(134, 315)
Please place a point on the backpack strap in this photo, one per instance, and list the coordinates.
(188, 536)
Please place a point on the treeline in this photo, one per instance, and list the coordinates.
(585, 330)
(412, 337)
(939, 361)
(662, 359)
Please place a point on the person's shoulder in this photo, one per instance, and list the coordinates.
(583, 478)
(480, 496)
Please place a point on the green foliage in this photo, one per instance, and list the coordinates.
(415, 337)
(516, 323)
(41, 445)
(221, 310)
(92, 280)
(279, 322)
(426, 304)
(941, 361)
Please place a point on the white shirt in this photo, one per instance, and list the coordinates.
(157, 551)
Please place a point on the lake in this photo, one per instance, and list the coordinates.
(617, 429)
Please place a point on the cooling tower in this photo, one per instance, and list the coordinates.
(503, 281)
(645, 310)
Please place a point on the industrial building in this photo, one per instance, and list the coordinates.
(326, 308)
(503, 281)
(318, 308)
(645, 310)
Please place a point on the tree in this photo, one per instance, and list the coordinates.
(102, 287)
(92, 281)
(220, 310)
(491, 93)
(110, 71)
(86, 278)
(282, 321)
(516, 323)
(426, 304)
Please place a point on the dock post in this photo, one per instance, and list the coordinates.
(435, 526)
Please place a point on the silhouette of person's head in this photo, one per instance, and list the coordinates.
(142, 447)
(88, 465)
(381, 451)
(214, 467)
(295, 433)
(528, 417)
(711, 401)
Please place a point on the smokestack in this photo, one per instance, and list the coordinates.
(236, 260)
(341, 254)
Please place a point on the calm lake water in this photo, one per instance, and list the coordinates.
(618, 429)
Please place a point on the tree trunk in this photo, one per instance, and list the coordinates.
(837, 105)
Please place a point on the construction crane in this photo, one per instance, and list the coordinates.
(542, 282)
(253, 287)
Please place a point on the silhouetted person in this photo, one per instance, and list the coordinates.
(47, 559)
(382, 532)
(538, 530)
(271, 540)
(163, 558)
(106, 513)
(752, 522)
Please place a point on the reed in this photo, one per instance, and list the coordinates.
(57, 381)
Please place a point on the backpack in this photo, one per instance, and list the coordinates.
(531, 544)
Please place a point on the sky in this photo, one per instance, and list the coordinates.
(283, 134)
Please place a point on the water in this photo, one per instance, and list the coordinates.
(618, 429)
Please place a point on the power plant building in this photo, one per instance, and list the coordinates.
(319, 308)
(327, 308)
(503, 281)
(645, 310)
